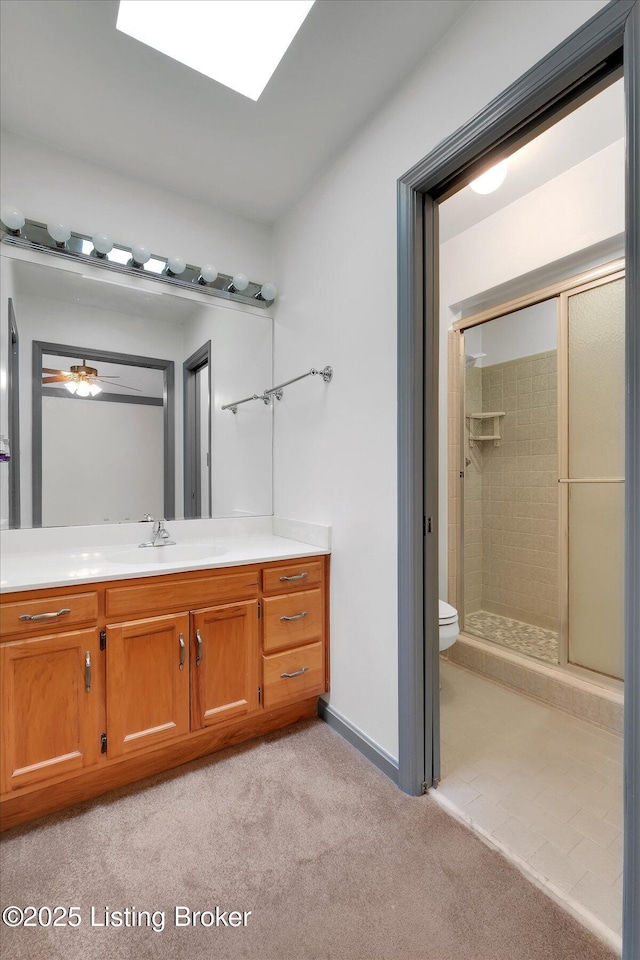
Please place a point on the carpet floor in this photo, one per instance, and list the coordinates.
(330, 858)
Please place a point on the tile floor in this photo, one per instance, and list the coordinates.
(546, 785)
(523, 637)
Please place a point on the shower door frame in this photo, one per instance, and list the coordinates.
(559, 291)
(564, 481)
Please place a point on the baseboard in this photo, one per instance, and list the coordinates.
(378, 757)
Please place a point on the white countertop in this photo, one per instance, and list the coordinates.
(26, 569)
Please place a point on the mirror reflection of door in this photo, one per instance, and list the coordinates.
(197, 433)
(95, 413)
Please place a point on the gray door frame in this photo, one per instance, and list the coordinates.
(13, 404)
(191, 431)
(567, 76)
(106, 356)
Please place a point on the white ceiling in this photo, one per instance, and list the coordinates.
(70, 79)
(589, 129)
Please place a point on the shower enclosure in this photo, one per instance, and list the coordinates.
(537, 493)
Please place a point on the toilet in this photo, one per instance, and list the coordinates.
(449, 628)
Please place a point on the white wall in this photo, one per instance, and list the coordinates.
(518, 334)
(87, 450)
(577, 210)
(335, 446)
(45, 184)
(241, 443)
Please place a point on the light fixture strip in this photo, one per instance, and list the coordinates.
(35, 236)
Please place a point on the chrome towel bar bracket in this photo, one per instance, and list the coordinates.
(326, 373)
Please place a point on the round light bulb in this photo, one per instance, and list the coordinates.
(94, 389)
(491, 180)
(71, 386)
(176, 265)
(12, 218)
(268, 291)
(102, 243)
(208, 273)
(59, 232)
(140, 253)
(240, 282)
(84, 389)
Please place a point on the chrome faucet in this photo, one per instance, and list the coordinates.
(161, 536)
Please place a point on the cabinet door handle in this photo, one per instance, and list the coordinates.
(45, 616)
(298, 616)
(87, 671)
(183, 651)
(298, 576)
(199, 642)
(298, 673)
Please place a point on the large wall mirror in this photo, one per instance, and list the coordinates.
(116, 388)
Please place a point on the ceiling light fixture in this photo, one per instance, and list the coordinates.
(491, 180)
(238, 44)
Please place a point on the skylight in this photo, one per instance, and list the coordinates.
(237, 42)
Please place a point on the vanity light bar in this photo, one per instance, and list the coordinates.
(135, 261)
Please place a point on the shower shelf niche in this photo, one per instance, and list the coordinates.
(475, 423)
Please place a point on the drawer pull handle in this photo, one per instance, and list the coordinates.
(199, 642)
(298, 616)
(45, 616)
(182, 651)
(298, 576)
(298, 673)
(87, 671)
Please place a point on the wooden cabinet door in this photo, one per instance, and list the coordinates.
(224, 663)
(147, 683)
(49, 706)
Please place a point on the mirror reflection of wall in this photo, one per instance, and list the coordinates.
(92, 310)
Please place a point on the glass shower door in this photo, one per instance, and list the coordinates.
(592, 476)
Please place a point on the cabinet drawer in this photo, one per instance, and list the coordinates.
(295, 575)
(292, 620)
(293, 675)
(48, 614)
(141, 598)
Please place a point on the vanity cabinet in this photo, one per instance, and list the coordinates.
(147, 683)
(224, 663)
(160, 670)
(48, 707)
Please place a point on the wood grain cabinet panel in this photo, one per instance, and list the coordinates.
(294, 575)
(167, 594)
(224, 663)
(293, 619)
(147, 683)
(50, 720)
(48, 614)
(293, 675)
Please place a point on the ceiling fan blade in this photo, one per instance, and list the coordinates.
(61, 379)
(124, 385)
(49, 370)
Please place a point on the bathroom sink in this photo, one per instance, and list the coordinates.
(176, 553)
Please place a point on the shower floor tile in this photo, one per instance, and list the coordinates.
(521, 783)
(523, 637)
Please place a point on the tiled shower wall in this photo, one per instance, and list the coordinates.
(520, 492)
(510, 491)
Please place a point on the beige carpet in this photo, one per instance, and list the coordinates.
(332, 860)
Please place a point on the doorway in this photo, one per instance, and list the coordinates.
(586, 62)
(197, 433)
